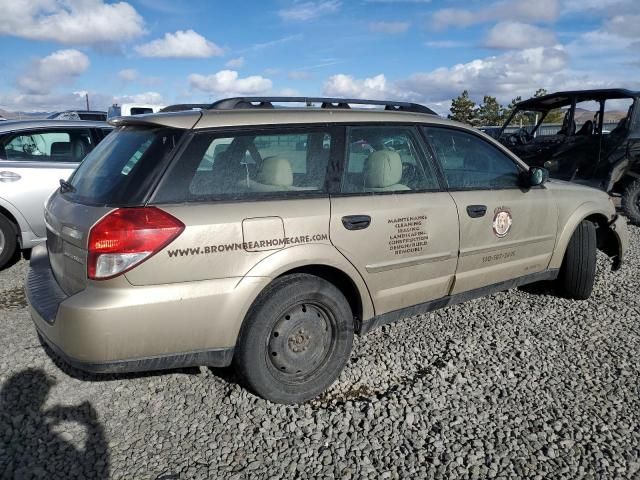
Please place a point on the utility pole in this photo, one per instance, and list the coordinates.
(86, 96)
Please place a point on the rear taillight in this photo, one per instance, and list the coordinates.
(126, 237)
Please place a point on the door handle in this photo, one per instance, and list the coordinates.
(356, 222)
(476, 211)
(7, 176)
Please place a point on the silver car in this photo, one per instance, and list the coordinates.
(34, 156)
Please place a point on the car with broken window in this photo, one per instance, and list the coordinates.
(591, 137)
(34, 156)
(263, 237)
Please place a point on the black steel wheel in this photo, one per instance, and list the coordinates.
(295, 340)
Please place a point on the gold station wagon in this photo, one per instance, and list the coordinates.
(265, 237)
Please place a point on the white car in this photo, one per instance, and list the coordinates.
(128, 109)
(34, 156)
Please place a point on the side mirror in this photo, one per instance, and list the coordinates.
(537, 176)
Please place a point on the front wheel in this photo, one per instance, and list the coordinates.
(631, 202)
(578, 271)
(8, 241)
(296, 339)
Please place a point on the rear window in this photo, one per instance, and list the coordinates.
(124, 166)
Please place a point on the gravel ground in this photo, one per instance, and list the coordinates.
(520, 384)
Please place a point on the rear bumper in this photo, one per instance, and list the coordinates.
(125, 328)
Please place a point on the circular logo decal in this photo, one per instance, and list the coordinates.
(502, 223)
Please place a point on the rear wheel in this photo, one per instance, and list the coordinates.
(8, 241)
(578, 270)
(631, 202)
(296, 339)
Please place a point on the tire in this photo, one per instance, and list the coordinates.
(578, 270)
(631, 202)
(296, 339)
(8, 242)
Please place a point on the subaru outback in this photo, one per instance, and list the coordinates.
(266, 237)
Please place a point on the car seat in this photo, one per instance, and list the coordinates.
(586, 129)
(383, 172)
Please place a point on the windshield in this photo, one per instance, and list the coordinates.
(122, 168)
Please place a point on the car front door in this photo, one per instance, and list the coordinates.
(391, 219)
(33, 161)
(506, 230)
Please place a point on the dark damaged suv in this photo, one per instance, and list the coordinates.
(590, 137)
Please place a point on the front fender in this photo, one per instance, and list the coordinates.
(282, 261)
(587, 209)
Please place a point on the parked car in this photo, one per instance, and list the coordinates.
(34, 156)
(95, 115)
(590, 155)
(129, 109)
(208, 238)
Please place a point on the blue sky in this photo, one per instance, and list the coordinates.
(162, 51)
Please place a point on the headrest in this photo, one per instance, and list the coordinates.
(79, 148)
(382, 169)
(275, 171)
(59, 149)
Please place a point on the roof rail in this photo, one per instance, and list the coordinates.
(267, 102)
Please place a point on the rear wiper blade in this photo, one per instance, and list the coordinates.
(66, 186)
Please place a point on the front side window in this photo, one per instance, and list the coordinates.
(385, 159)
(470, 162)
(48, 145)
(249, 165)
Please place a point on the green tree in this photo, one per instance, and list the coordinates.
(490, 112)
(541, 92)
(463, 109)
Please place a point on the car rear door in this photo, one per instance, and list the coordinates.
(506, 231)
(391, 219)
(34, 161)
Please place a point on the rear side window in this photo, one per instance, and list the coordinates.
(61, 145)
(122, 168)
(249, 165)
(470, 162)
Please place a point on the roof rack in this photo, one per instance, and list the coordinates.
(179, 107)
(267, 102)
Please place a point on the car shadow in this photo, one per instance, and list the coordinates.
(547, 288)
(30, 446)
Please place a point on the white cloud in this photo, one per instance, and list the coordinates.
(513, 10)
(389, 27)
(128, 75)
(235, 63)
(347, 86)
(153, 98)
(181, 44)
(228, 82)
(304, 11)
(512, 35)
(70, 100)
(504, 76)
(71, 22)
(61, 67)
(627, 26)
